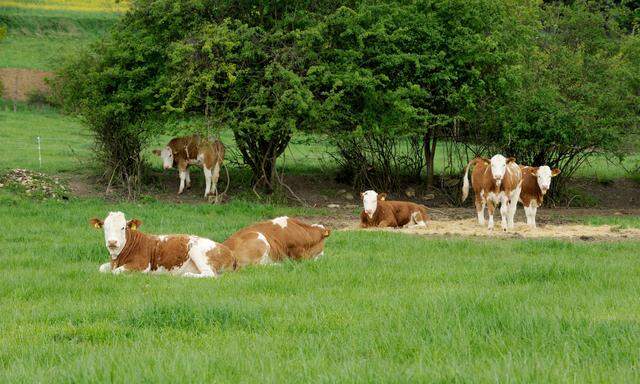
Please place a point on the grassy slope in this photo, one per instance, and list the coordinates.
(378, 307)
(40, 38)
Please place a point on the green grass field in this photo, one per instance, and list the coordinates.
(379, 307)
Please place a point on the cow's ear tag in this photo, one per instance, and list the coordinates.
(133, 226)
(96, 225)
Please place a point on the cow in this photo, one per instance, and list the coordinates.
(495, 181)
(192, 150)
(275, 240)
(380, 212)
(132, 250)
(535, 184)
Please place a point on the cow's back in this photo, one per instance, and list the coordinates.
(481, 178)
(185, 147)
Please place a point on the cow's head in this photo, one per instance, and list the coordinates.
(499, 167)
(115, 231)
(324, 231)
(166, 154)
(544, 174)
(370, 201)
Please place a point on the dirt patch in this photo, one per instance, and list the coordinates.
(470, 228)
(18, 83)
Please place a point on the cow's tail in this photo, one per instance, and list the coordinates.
(465, 180)
(423, 211)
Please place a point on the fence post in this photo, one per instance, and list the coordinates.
(39, 153)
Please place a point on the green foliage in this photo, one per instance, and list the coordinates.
(578, 93)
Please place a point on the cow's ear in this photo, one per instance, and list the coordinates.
(555, 172)
(133, 224)
(157, 152)
(382, 196)
(326, 232)
(96, 223)
(534, 171)
(511, 160)
(485, 160)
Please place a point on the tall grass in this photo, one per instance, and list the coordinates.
(379, 307)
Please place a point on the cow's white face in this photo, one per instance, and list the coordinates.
(115, 232)
(544, 175)
(166, 154)
(498, 168)
(370, 202)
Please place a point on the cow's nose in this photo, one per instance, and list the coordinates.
(166, 167)
(112, 243)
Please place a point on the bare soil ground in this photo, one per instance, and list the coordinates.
(18, 83)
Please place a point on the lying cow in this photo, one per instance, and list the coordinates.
(379, 212)
(535, 184)
(275, 240)
(495, 181)
(132, 250)
(184, 151)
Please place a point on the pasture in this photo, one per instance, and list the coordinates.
(379, 306)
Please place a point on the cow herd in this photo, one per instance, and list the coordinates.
(495, 181)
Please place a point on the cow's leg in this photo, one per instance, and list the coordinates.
(207, 180)
(418, 219)
(534, 210)
(527, 213)
(490, 209)
(105, 268)
(188, 178)
(480, 204)
(119, 270)
(198, 255)
(504, 212)
(513, 206)
(183, 176)
(215, 177)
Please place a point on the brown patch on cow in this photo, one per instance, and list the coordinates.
(530, 188)
(221, 258)
(391, 213)
(297, 240)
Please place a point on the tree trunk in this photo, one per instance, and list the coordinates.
(429, 145)
(260, 154)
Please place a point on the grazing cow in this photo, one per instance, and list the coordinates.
(278, 239)
(495, 181)
(379, 212)
(535, 184)
(192, 150)
(132, 250)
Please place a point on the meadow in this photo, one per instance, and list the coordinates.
(378, 307)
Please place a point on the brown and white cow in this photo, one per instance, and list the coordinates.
(495, 181)
(132, 250)
(536, 181)
(379, 212)
(282, 238)
(192, 150)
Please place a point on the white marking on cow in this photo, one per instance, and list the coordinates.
(167, 157)
(265, 259)
(543, 176)
(115, 237)
(370, 202)
(162, 238)
(318, 226)
(207, 180)
(198, 248)
(119, 270)
(319, 255)
(281, 221)
(148, 269)
(498, 168)
(105, 268)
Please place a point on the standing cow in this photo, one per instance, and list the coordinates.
(278, 239)
(132, 250)
(184, 151)
(495, 181)
(536, 181)
(380, 212)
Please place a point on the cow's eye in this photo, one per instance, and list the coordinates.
(123, 228)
